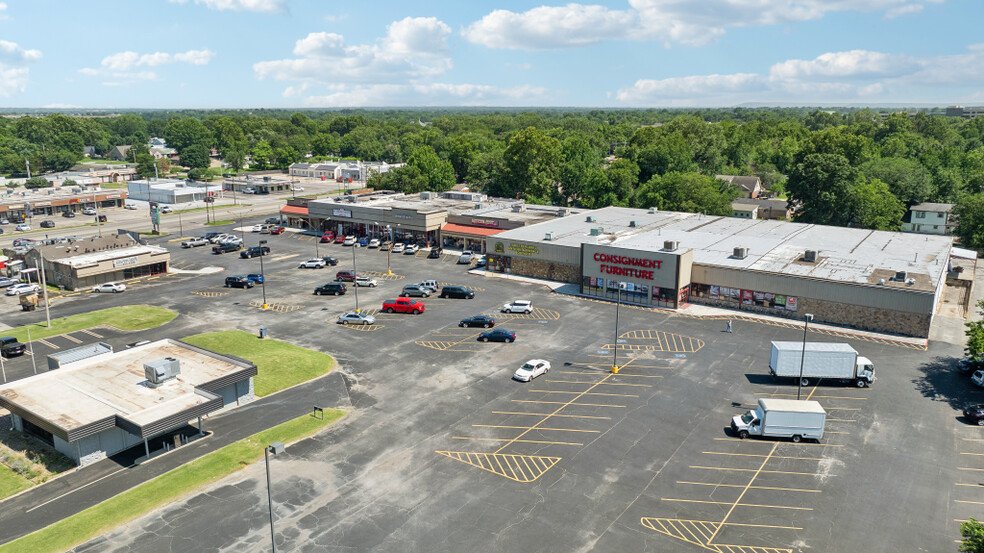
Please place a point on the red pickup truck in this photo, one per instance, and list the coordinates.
(403, 305)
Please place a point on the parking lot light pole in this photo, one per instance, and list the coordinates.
(618, 305)
(276, 448)
(355, 284)
(806, 324)
(262, 275)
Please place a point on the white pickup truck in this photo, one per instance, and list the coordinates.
(194, 242)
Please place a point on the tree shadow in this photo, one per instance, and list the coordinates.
(941, 381)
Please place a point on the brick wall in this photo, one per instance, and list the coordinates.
(542, 269)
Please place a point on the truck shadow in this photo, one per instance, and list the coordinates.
(941, 381)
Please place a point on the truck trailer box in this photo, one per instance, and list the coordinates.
(782, 418)
(820, 360)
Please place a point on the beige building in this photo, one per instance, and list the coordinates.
(928, 218)
(86, 263)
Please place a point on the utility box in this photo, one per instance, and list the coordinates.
(162, 370)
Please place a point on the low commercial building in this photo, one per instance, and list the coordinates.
(86, 263)
(98, 402)
(259, 184)
(44, 202)
(341, 171)
(878, 280)
(87, 175)
(171, 191)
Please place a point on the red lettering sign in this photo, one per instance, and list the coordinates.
(625, 265)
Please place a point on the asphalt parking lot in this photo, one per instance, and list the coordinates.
(443, 451)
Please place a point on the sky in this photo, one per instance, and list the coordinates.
(400, 53)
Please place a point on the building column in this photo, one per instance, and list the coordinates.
(147, 448)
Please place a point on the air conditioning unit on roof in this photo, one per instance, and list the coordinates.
(810, 256)
(740, 253)
(671, 245)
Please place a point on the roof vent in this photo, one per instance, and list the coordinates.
(162, 370)
(632, 224)
(810, 256)
(590, 219)
(478, 206)
(652, 210)
(596, 231)
(910, 281)
(548, 236)
(881, 282)
(563, 212)
(671, 245)
(518, 208)
(740, 253)
(899, 276)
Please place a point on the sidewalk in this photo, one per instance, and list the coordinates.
(711, 312)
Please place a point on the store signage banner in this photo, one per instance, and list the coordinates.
(652, 269)
(341, 213)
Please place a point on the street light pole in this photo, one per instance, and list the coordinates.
(354, 283)
(806, 324)
(275, 448)
(618, 306)
(262, 274)
(389, 250)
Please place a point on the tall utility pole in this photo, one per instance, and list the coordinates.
(44, 289)
(618, 307)
(28, 162)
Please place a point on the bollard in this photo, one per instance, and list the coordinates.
(263, 332)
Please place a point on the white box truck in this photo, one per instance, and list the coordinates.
(782, 418)
(821, 360)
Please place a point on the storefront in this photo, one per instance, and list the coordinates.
(49, 205)
(657, 278)
(404, 220)
(86, 263)
(466, 237)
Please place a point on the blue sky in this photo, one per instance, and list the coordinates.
(616, 53)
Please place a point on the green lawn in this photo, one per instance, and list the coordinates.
(11, 482)
(280, 365)
(113, 185)
(220, 223)
(128, 317)
(193, 209)
(127, 506)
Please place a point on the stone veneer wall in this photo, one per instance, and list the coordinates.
(864, 318)
(542, 269)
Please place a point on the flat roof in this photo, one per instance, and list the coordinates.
(93, 258)
(90, 393)
(851, 255)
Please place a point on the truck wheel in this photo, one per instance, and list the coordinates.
(743, 434)
(389, 309)
(804, 382)
(980, 422)
(797, 438)
(861, 383)
(416, 312)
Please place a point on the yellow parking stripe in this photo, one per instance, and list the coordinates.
(513, 440)
(538, 428)
(545, 414)
(755, 470)
(605, 383)
(737, 504)
(719, 485)
(759, 455)
(582, 393)
(565, 403)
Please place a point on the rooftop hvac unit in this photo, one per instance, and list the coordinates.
(671, 245)
(548, 236)
(563, 212)
(740, 253)
(596, 231)
(478, 206)
(162, 370)
(590, 219)
(910, 281)
(900, 276)
(810, 256)
(632, 224)
(518, 208)
(426, 196)
(267, 178)
(652, 210)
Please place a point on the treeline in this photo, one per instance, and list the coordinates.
(840, 167)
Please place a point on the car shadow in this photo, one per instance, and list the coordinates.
(941, 381)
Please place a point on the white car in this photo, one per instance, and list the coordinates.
(411, 249)
(194, 242)
(313, 264)
(218, 238)
(256, 228)
(249, 190)
(432, 284)
(130, 206)
(23, 288)
(374, 243)
(398, 247)
(977, 378)
(466, 257)
(298, 189)
(356, 318)
(89, 211)
(518, 306)
(22, 227)
(365, 281)
(349, 240)
(531, 369)
(165, 209)
(115, 287)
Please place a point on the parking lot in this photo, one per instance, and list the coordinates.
(445, 451)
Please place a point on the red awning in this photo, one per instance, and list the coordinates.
(467, 229)
(294, 210)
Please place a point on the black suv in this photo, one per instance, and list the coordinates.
(435, 253)
(223, 248)
(254, 251)
(9, 347)
(456, 292)
(239, 281)
(47, 223)
(68, 214)
(332, 288)
(974, 414)
(16, 219)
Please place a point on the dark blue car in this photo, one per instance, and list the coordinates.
(497, 335)
(255, 277)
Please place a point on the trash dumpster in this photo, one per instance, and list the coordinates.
(263, 332)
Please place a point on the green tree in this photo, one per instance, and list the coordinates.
(821, 184)
(438, 173)
(195, 156)
(872, 205)
(262, 155)
(665, 154)
(37, 182)
(689, 192)
(623, 175)
(969, 211)
(286, 155)
(532, 160)
(578, 159)
(906, 178)
(462, 151)
(187, 131)
(324, 144)
(235, 157)
(973, 536)
(145, 166)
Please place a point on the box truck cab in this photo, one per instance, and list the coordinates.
(820, 360)
(782, 418)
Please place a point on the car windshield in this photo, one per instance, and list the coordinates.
(748, 417)
(526, 367)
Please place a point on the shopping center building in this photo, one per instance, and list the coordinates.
(91, 261)
(878, 280)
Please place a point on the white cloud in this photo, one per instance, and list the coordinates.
(60, 106)
(434, 94)
(905, 9)
(11, 53)
(667, 21)
(413, 48)
(13, 75)
(124, 61)
(241, 5)
(852, 64)
(653, 90)
(549, 27)
(13, 80)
